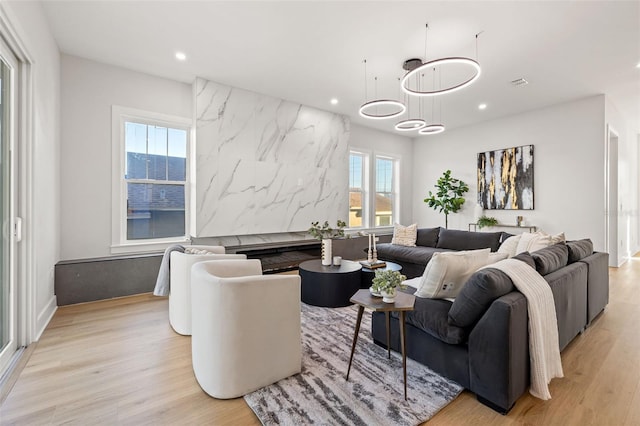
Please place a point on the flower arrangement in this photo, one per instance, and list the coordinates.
(387, 281)
(324, 231)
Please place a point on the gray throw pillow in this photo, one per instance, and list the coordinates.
(579, 249)
(427, 237)
(550, 259)
(480, 291)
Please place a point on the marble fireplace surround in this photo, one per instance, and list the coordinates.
(265, 167)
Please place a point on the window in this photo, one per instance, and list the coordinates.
(381, 194)
(357, 192)
(385, 192)
(151, 200)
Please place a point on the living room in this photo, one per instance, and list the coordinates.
(73, 93)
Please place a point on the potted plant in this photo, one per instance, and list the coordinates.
(487, 221)
(449, 198)
(386, 283)
(325, 233)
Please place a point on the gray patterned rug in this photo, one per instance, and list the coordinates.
(374, 394)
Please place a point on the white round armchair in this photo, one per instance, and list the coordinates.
(246, 327)
(180, 282)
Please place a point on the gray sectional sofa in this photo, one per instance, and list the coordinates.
(480, 340)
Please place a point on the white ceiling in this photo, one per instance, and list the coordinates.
(311, 51)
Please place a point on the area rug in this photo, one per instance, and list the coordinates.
(374, 394)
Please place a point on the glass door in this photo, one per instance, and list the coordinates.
(8, 299)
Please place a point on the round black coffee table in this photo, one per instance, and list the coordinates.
(368, 274)
(329, 286)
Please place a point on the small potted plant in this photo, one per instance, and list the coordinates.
(386, 283)
(487, 221)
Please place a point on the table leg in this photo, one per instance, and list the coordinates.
(355, 337)
(388, 322)
(404, 353)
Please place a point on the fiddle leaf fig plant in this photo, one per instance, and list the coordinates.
(450, 195)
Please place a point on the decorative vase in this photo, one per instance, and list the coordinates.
(326, 251)
(388, 296)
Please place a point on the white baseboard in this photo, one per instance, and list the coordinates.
(44, 317)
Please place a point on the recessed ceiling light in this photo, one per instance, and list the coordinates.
(638, 65)
(181, 56)
(482, 106)
(334, 101)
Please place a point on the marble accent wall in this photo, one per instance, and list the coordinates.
(266, 165)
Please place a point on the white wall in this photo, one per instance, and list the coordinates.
(627, 214)
(568, 144)
(89, 89)
(401, 147)
(32, 30)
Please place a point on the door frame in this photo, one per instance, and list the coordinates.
(24, 160)
(611, 195)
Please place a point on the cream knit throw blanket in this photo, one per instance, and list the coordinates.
(544, 351)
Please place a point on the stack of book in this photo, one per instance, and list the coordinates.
(373, 264)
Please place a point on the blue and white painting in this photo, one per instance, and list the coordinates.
(505, 178)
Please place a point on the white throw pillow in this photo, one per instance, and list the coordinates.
(405, 235)
(537, 240)
(447, 272)
(532, 241)
(510, 245)
(558, 238)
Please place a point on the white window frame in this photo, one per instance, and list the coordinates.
(369, 184)
(395, 187)
(366, 160)
(120, 115)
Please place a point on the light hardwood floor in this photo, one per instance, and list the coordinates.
(119, 362)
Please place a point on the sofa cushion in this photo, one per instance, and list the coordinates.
(579, 249)
(446, 273)
(431, 316)
(428, 237)
(480, 291)
(466, 240)
(404, 235)
(550, 259)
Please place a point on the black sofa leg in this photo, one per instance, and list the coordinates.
(493, 406)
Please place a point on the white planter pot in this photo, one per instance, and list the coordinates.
(326, 252)
(388, 296)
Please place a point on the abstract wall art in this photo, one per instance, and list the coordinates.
(505, 178)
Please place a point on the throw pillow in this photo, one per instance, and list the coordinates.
(550, 259)
(510, 245)
(405, 235)
(579, 249)
(480, 291)
(427, 237)
(532, 241)
(447, 272)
